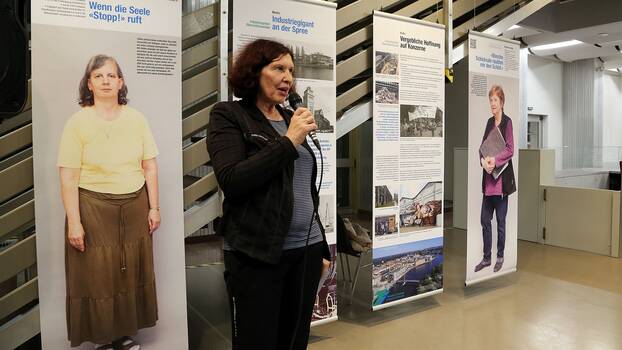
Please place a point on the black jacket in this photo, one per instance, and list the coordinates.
(508, 182)
(254, 166)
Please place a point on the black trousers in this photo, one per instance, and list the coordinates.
(491, 205)
(265, 299)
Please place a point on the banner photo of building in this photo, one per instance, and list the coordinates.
(408, 107)
(308, 28)
(492, 213)
(107, 173)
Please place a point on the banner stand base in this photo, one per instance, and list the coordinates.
(324, 321)
(406, 300)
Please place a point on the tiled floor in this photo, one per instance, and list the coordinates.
(558, 299)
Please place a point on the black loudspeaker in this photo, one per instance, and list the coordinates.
(14, 56)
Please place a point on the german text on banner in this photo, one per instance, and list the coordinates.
(493, 157)
(308, 29)
(408, 131)
(108, 172)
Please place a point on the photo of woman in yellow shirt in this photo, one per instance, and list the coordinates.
(109, 188)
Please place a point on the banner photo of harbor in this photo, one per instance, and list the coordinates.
(407, 270)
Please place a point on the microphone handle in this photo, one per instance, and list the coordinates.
(312, 133)
(315, 140)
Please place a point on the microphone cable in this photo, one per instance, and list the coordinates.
(305, 256)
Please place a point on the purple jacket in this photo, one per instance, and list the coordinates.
(506, 183)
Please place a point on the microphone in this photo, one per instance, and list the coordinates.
(295, 101)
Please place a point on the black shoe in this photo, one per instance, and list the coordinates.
(126, 343)
(498, 264)
(482, 264)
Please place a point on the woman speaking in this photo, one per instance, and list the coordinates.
(498, 180)
(274, 240)
(109, 187)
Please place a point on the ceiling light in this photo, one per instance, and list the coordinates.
(602, 35)
(514, 27)
(557, 45)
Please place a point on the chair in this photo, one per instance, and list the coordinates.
(344, 246)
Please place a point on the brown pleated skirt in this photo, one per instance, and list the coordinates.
(111, 285)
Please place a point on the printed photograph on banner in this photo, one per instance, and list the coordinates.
(103, 129)
(407, 270)
(326, 299)
(421, 206)
(386, 195)
(312, 61)
(320, 100)
(387, 92)
(326, 211)
(385, 225)
(387, 63)
(421, 121)
(493, 105)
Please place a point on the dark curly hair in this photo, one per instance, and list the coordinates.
(85, 95)
(244, 77)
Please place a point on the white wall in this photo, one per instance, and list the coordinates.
(544, 95)
(612, 117)
(522, 98)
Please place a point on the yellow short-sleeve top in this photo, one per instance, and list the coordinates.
(108, 153)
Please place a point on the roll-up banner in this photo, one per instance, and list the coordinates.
(493, 157)
(308, 28)
(408, 108)
(108, 165)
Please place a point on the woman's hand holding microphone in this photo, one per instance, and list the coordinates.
(302, 122)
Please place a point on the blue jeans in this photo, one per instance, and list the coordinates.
(490, 205)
